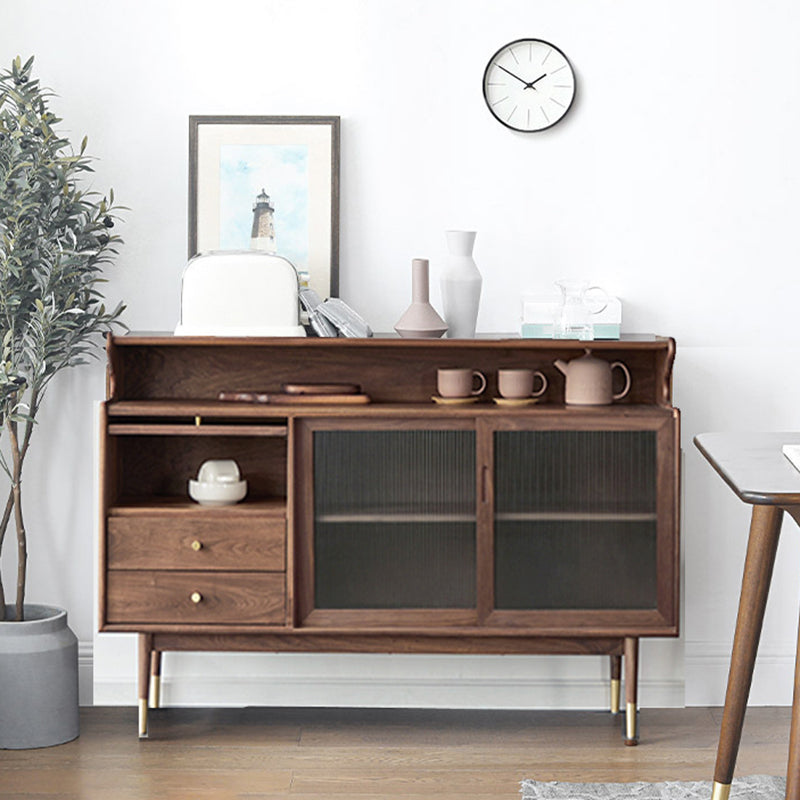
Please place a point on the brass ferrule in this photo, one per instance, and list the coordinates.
(720, 791)
(155, 691)
(631, 722)
(615, 695)
(142, 718)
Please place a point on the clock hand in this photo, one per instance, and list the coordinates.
(513, 75)
(530, 85)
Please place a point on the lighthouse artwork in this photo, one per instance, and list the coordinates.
(262, 236)
(269, 184)
(264, 200)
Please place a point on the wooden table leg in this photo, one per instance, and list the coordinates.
(145, 648)
(631, 690)
(155, 678)
(762, 544)
(793, 771)
(616, 673)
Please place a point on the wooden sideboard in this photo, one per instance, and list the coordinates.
(399, 526)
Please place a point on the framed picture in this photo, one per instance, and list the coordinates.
(269, 183)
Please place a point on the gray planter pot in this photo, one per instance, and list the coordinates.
(38, 679)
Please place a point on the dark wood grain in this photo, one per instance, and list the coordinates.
(753, 465)
(269, 508)
(254, 571)
(388, 370)
(668, 479)
(442, 641)
(145, 648)
(485, 522)
(631, 691)
(382, 754)
(214, 412)
(793, 768)
(192, 543)
(762, 546)
(199, 427)
(166, 597)
(161, 466)
(303, 528)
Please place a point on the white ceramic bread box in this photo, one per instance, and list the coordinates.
(239, 293)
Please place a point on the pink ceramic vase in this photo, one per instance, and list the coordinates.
(420, 321)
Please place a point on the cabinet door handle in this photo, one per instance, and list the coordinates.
(197, 545)
(196, 597)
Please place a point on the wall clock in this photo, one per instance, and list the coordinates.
(528, 85)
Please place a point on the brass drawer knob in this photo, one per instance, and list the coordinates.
(196, 597)
(197, 545)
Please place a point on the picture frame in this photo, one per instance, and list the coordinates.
(268, 183)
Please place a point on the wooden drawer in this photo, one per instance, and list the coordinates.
(188, 543)
(191, 597)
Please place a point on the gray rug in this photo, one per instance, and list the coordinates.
(753, 787)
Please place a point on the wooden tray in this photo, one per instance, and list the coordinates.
(320, 388)
(284, 398)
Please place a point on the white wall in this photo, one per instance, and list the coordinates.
(672, 183)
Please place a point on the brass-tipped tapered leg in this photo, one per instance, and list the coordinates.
(155, 679)
(762, 544)
(631, 691)
(616, 683)
(145, 648)
(793, 767)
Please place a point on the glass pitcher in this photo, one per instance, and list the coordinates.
(579, 303)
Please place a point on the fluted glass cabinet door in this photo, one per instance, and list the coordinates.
(576, 523)
(394, 519)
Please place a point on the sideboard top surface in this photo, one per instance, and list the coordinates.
(634, 340)
(390, 369)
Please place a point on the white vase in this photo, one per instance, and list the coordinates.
(461, 286)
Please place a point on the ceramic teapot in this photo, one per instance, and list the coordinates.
(589, 380)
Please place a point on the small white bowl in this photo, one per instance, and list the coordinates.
(219, 470)
(213, 493)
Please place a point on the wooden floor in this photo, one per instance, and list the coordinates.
(370, 754)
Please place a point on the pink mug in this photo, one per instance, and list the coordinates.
(517, 384)
(456, 383)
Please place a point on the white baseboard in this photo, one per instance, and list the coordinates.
(377, 693)
(707, 664)
(86, 673)
(386, 681)
(706, 673)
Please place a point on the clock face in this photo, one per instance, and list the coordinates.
(528, 85)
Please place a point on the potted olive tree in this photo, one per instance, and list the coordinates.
(55, 239)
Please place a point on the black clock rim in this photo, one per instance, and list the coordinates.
(511, 44)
